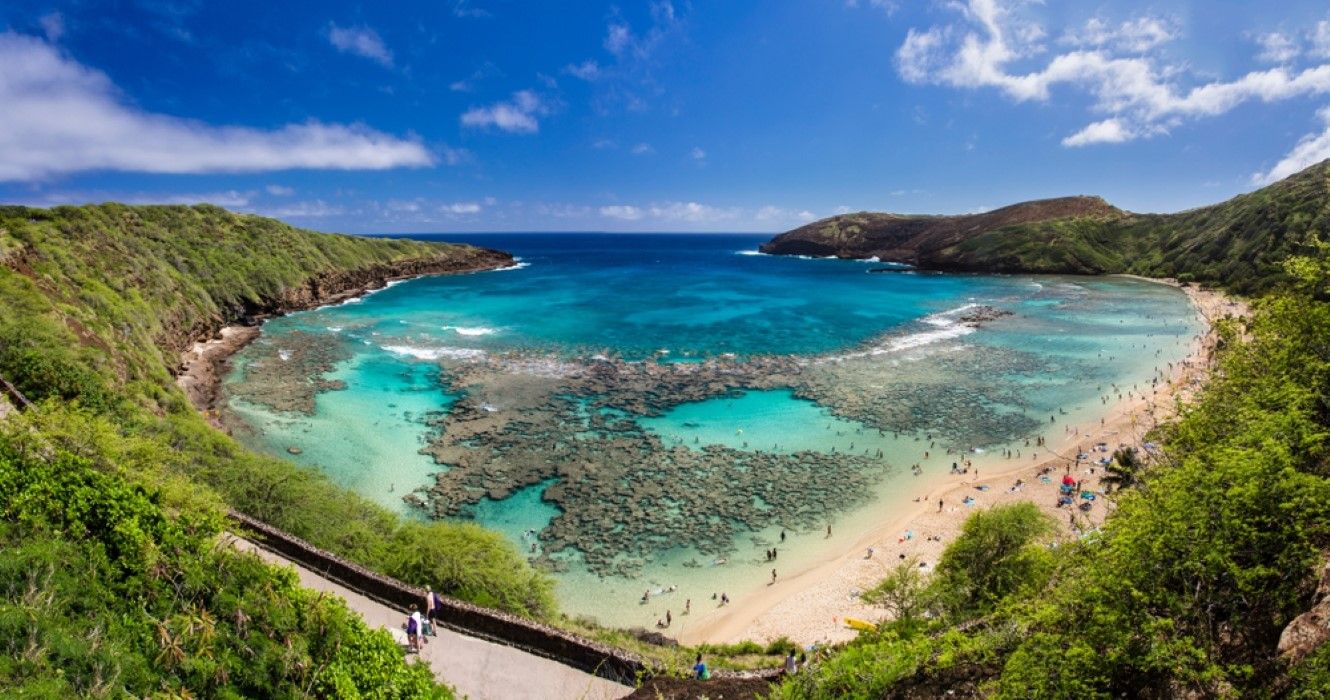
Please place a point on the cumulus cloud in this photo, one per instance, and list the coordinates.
(1133, 36)
(619, 211)
(1320, 40)
(280, 190)
(53, 25)
(1276, 48)
(1106, 131)
(60, 116)
(313, 209)
(586, 70)
(360, 41)
(700, 215)
(517, 115)
(1312, 149)
(697, 154)
(643, 149)
(461, 208)
(1138, 96)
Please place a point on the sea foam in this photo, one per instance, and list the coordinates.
(435, 353)
(471, 330)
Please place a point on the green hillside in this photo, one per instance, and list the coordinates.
(1239, 244)
(116, 474)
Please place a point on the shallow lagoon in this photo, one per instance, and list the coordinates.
(682, 298)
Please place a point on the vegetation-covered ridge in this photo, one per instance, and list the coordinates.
(1239, 244)
(98, 302)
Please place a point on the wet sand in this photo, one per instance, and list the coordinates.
(812, 605)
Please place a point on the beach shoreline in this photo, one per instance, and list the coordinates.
(811, 606)
(204, 364)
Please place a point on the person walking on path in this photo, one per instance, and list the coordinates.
(791, 664)
(413, 631)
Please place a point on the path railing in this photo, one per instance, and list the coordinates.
(495, 626)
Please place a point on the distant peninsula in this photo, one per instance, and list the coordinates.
(1239, 243)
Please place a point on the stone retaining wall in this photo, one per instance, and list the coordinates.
(589, 656)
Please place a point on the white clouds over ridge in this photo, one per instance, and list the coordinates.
(62, 117)
(1138, 94)
(1312, 149)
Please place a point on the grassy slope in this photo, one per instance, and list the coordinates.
(98, 300)
(1240, 243)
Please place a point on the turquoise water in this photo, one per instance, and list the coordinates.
(680, 298)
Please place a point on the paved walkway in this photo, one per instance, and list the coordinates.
(476, 668)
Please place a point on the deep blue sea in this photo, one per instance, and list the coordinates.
(673, 297)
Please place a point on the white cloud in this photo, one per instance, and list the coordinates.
(773, 214)
(1310, 150)
(1133, 36)
(304, 210)
(697, 154)
(461, 208)
(699, 215)
(360, 41)
(586, 70)
(227, 198)
(518, 115)
(1106, 131)
(643, 149)
(280, 190)
(462, 8)
(62, 117)
(887, 6)
(618, 38)
(1140, 97)
(1276, 48)
(53, 26)
(620, 211)
(1320, 40)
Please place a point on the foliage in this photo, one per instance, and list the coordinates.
(99, 301)
(1124, 471)
(901, 594)
(104, 593)
(1241, 244)
(1186, 588)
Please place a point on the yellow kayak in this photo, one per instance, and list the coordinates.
(857, 624)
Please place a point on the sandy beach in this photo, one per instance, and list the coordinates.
(812, 605)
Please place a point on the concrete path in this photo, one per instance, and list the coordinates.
(476, 668)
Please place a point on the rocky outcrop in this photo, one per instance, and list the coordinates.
(911, 238)
(1308, 631)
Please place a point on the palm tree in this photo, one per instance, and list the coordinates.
(1125, 471)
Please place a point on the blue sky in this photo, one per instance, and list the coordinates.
(722, 116)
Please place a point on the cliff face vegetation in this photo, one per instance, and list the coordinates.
(112, 581)
(1239, 244)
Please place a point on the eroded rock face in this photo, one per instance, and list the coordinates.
(1308, 631)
